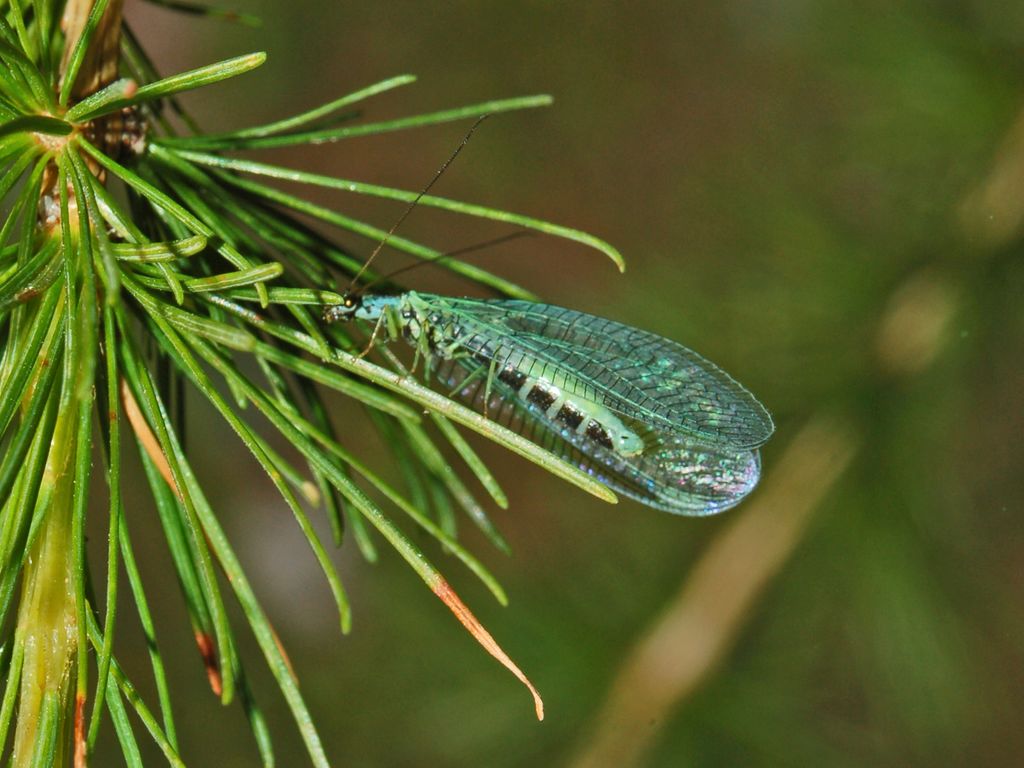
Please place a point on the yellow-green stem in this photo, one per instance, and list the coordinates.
(47, 626)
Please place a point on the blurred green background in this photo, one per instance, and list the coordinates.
(823, 197)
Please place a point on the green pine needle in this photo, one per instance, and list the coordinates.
(136, 263)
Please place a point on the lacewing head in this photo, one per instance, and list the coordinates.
(350, 304)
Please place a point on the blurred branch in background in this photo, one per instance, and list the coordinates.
(914, 325)
(700, 625)
(993, 211)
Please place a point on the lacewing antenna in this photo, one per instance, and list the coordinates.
(451, 254)
(408, 210)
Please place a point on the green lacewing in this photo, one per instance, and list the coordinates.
(642, 414)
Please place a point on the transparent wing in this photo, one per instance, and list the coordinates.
(673, 474)
(639, 375)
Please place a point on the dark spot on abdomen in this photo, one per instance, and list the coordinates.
(512, 377)
(569, 415)
(540, 395)
(599, 435)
